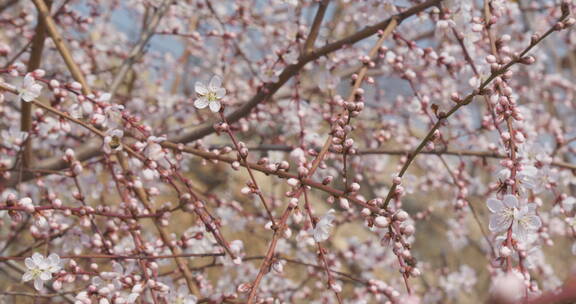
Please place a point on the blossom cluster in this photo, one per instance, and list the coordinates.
(286, 151)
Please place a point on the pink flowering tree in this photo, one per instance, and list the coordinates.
(287, 151)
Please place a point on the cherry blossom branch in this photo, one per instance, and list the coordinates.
(270, 88)
(391, 25)
(343, 275)
(139, 191)
(92, 149)
(442, 117)
(279, 173)
(176, 251)
(321, 251)
(402, 152)
(121, 257)
(281, 226)
(243, 156)
(470, 206)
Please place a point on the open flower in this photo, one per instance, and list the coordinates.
(29, 90)
(502, 212)
(210, 95)
(323, 227)
(113, 141)
(154, 150)
(526, 221)
(181, 296)
(508, 213)
(40, 269)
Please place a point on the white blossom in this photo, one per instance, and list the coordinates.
(324, 226)
(508, 287)
(526, 221)
(29, 89)
(12, 138)
(154, 150)
(40, 269)
(502, 212)
(113, 141)
(508, 212)
(210, 95)
(182, 296)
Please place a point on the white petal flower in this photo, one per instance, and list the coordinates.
(201, 102)
(29, 89)
(113, 141)
(210, 95)
(569, 203)
(214, 106)
(324, 226)
(12, 138)
(200, 88)
(154, 151)
(182, 296)
(40, 269)
(508, 213)
(215, 83)
(525, 221)
(502, 212)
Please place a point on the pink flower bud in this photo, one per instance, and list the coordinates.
(401, 216)
(381, 221)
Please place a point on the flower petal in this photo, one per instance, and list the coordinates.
(54, 259)
(511, 201)
(532, 222)
(200, 88)
(38, 258)
(45, 275)
(519, 231)
(38, 284)
(220, 93)
(215, 106)
(495, 205)
(28, 275)
(201, 102)
(29, 263)
(215, 83)
(499, 222)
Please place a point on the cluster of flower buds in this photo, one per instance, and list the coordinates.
(398, 233)
(340, 142)
(274, 166)
(378, 287)
(75, 166)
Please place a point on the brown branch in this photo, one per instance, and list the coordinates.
(33, 64)
(309, 44)
(7, 5)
